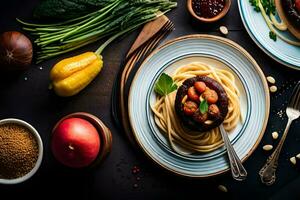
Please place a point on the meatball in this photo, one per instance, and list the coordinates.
(211, 96)
(190, 108)
(213, 111)
(199, 117)
(215, 96)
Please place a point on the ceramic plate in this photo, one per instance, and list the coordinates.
(258, 30)
(217, 52)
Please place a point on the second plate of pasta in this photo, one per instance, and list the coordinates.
(156, 125)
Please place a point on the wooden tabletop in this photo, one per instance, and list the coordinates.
(26, 96)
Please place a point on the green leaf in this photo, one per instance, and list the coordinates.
(255, 3)
(203, 106)
(164, 85)
(273, 35)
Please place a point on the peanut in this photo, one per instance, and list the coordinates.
(273, 88)
(271, 80)
(268, 147)
(293, 160)
(275, 135)
(222, 188)
(223, 30)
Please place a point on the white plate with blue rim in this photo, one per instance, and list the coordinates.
(220, 53)
(258, 30)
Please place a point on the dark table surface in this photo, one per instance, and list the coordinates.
(31, 101)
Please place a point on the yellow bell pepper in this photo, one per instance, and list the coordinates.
(71, 75)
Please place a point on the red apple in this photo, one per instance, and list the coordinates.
(75, 142)
(297, 5)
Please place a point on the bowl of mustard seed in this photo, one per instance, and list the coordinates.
(21, 151)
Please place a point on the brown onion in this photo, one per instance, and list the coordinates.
(15, 51)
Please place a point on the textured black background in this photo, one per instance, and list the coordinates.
(31, 100)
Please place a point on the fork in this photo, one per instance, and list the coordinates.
(169, 26)
(267, 172)
(148, 33)
(132, 60)
(238, 171)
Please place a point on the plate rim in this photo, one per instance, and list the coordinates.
(249, 58)
(262, 47)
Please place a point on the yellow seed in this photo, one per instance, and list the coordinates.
(271, 80)
(293, 160)
(298, 156)
(268, 147)
(273, 88)
(275, 135)
(222, 188)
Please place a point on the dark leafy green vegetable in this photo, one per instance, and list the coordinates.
(203, 107)
(164, 85)
(67, 9)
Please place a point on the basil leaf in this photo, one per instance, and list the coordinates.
(273, 35)
(203, 106)
(164, 85)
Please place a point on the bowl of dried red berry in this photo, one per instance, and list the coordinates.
(21, 151)
(208, 10)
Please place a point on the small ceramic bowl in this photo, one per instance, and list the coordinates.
(40, 148)
(104, 133)
(209, 20)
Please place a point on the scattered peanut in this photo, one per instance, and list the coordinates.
(293, 160)
(223, 30)
(298, 156)
(222, 188)
(271, 80)
(275, 135)
(273, 88)
(268, 147)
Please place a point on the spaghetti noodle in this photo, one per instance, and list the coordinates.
(179, 136)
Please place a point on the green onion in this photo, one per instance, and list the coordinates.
(114, 19)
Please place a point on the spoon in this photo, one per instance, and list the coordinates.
(238, 171)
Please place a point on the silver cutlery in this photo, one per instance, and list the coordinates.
(267, 172)
(132, 60)
(237, 169)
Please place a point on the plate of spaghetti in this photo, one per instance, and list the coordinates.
(184, 91)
